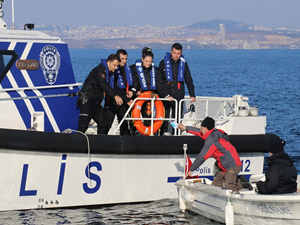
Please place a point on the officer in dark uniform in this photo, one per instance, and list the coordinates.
(96, 85)
(175, 71)
(123, 86)
(149, 78)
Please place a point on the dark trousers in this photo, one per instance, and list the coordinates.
(144, 113)
(168, 106)
(88, 111)
(110, 110)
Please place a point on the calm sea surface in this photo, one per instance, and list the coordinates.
(271, 80)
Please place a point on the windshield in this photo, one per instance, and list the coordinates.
(7, 59)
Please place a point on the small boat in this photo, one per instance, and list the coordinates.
(243, 207)
(45, 163)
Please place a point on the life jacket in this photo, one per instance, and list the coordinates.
(109, 78)
(129, 77)
(168, 71)
(140, 71)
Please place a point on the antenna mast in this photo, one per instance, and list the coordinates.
(13, 14)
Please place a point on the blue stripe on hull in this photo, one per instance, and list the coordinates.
(63, 109)
(22, 108)
(175, 179)
(17, 74)
(209, 205)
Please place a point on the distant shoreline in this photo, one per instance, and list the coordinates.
(214, 34)
(163, 44)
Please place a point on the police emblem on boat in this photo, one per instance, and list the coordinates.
(50, 63)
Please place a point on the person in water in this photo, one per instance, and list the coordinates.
(217, 145)
(97, 84)
(149, 78)
(175, 71)
(123, 86)
(281, 175)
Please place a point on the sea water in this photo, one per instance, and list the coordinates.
(271, 80)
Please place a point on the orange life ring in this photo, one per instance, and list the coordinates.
(136, 113)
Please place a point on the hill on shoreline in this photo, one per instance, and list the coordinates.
(230, 26)
(200, 35)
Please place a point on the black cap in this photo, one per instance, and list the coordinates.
(277, 146)
(209, 123)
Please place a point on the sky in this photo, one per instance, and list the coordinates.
(158, 13)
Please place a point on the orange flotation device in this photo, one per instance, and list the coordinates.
(136, 113)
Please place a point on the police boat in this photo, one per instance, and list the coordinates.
(45, 163)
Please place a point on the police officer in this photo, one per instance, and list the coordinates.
(175, 71)
(123, 86)
(97, 84)
(149, 78)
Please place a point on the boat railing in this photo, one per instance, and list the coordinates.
(218, 108)
(215, 107)
(152, 119)
(68, 94)
(209, 106)
(70, 86)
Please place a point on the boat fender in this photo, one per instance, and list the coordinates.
(229, 214)
(182, 204)
(187, 196)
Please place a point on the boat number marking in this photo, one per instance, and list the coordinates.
(247, 165)
(274, 209)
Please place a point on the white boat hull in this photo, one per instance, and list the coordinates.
(248, 206)
(39, 180)
(36, 179)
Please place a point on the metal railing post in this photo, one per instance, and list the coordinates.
(178, 112)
